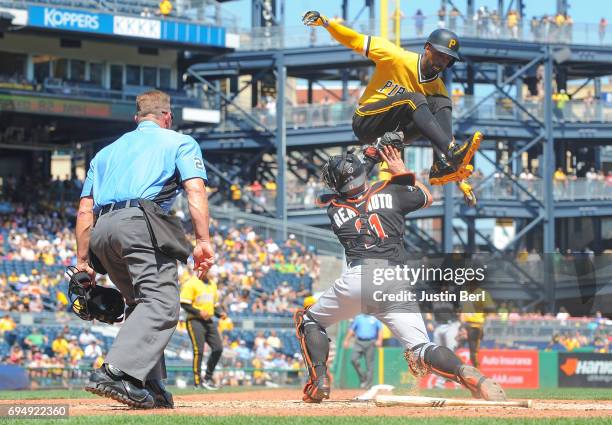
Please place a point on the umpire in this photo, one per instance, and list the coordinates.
(200, 299)
(129, 189)
(368, 331)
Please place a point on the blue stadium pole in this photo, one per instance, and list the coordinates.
(548, 167)
(547, 176)
(449, 204)
(281, 142)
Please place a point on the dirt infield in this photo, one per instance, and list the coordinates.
(286, 403)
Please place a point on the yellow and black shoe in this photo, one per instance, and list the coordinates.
(455, 166)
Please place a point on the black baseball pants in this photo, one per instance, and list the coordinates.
(201, 331)
(474, 336)
(412, 113)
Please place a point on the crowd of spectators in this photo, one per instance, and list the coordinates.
(39, 235)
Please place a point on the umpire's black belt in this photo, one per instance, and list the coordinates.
(118, 205)
(381, 262)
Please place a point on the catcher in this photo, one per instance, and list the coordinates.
(406, 97)
(369, 222)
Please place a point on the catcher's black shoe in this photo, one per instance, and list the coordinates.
(455, 165)
(479, 385)
(119, 387)
(318, 390)
(163, 398)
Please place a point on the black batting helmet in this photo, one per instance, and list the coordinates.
(344, 173)
(445, 41)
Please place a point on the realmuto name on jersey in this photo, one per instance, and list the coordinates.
(376, 202)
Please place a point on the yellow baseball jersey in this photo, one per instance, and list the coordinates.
(474, 311)
(200, 295)
(397, 70)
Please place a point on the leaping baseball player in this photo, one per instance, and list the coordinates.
(369, 222)
(406, 97)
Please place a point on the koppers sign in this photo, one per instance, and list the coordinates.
(585, 370)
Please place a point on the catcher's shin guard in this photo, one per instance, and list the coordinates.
(479, 385)
(426, 358)
(314, 344)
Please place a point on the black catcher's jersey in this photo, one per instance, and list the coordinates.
(381, 210)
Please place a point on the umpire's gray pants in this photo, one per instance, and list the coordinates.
(365, 349)
(148, 281)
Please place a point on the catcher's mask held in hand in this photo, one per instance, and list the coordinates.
(103, 304)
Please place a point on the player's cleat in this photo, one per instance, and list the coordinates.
(317, 391)
(456, 165)
(468, 193)
(479, 385)
(163, 398)
(119, 387)
(210, 385)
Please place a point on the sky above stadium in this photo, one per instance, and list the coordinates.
(582, 11)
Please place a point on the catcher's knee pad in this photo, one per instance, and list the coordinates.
(415, 357)
(426, 358)
(314, 344)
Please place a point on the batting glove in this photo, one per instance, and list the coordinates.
(313, 18)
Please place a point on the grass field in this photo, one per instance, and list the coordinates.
(453, 418)
(318, 420)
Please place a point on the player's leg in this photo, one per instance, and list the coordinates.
(341, 301)
(357, 353)
(195, 329)
(474, 335)
(459, 156)
(390, 115)
(213, 339)
(369, 360)
(424, 357)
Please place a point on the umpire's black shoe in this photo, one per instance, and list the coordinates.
(163, 398)
(119, 387)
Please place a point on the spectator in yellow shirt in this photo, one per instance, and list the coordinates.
(165, 7)
(7, 324)
(60, 346)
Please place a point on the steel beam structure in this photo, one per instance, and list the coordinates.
(502, 64)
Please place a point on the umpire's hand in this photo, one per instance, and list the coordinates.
(203, 258)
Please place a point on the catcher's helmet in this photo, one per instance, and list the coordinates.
(97, 302)
(344, 173)
(445, 41)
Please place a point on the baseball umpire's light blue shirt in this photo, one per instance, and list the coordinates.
(150, 162)
(366, 327)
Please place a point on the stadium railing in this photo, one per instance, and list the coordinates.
(341, 113)
(322, 241)
(300, 197)
(299, 36)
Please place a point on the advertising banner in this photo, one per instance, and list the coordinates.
(585, 370)
(70, 19)
(511, 368)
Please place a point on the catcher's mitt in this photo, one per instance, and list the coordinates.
(93, 302)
